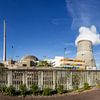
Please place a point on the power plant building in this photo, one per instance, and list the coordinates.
(68, 63)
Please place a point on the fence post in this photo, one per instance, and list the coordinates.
(25, 78)
(9, 78)
(71, 80)
(40, 80)
(54, 79)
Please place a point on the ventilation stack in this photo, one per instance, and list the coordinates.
(4, 43)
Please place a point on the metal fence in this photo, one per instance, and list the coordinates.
(51, 78)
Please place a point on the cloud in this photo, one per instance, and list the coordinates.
(83, 12)
(90, 34)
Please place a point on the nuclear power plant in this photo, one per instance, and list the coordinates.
(85, 53)
(84, 57)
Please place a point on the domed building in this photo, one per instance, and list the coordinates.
(28, 61)
(29, 58)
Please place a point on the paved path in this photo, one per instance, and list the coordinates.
(91, 95)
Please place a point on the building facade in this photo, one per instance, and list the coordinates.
(70, 64)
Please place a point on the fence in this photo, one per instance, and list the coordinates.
(51, 78)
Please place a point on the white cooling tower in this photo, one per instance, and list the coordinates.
(85, 52)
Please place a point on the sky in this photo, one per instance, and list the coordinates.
(45, 27)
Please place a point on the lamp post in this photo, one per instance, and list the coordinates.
(17, 58)
(64, 55)
(64, 52)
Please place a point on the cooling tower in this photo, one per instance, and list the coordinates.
(85, 52)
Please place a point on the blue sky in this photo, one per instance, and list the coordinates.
(46, 27)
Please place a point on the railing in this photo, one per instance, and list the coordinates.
(51, 78)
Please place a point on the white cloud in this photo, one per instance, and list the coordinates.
(83, 12)
(90, 34)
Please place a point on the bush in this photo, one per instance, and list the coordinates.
(86, 86)
(54, 91)
(47, 92)
(23, 89)
(3, 88)
(10, 90)
(34, 89)
(75, 81)
(60, 89)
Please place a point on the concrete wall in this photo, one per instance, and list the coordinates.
(51, 78)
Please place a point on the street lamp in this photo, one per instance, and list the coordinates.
(64, 55)
(64, 52)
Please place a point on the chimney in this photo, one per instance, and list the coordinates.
(4, 42)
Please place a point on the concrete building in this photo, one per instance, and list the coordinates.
(25, 62)
(72, 64)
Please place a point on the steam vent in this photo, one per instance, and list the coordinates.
(85, 52)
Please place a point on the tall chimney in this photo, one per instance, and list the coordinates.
(4, 42)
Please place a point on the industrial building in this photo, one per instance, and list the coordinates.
(68, 63)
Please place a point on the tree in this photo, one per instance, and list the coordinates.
(44, 64)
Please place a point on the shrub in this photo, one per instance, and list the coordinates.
(3, 88)
(23, 89)
(47, 92)
(34, 89)
(60, 89)
(97, 82)
(86, 86)
(0, 88)
(75, 81)
(54, 91)
(10, 90)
